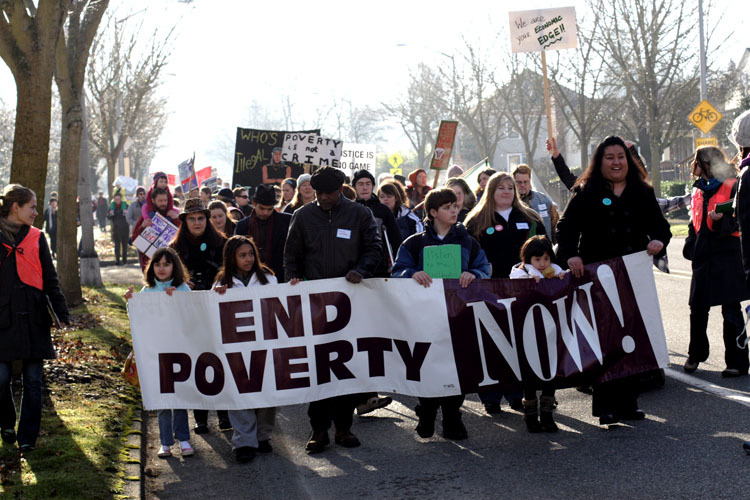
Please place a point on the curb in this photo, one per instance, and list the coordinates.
(133, 464)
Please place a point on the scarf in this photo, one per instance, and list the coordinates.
(10, 229)
(708, 185)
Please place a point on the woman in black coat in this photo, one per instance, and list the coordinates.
(200, 247)
(713, 246)
(28, 280)
(613, 212)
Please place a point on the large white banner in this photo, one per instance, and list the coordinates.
(358, 157)
(275, 345)
(543, 29)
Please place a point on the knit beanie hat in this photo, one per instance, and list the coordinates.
(740, 135)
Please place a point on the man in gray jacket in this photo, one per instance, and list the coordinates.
(134, 209)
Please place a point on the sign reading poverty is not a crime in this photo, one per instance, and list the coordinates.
(276, 345)
(543, 29)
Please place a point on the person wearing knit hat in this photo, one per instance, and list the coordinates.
(455, 171)
(227, 196)
(331, 237)
(161, 180)
(304, 195)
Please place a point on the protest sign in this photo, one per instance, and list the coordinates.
(311, 149)
(188, 178)
(357, 157)
(254, 150)
(543, 29)
(276, 345)
(156, 236)
(441, 154)
(442, 261)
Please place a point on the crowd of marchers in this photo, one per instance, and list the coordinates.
(324, 225)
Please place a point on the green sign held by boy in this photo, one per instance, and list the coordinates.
(443, 261)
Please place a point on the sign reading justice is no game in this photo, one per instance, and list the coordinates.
(543, 29)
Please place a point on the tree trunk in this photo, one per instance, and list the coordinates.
(70, 146)
(656, 153)
(90, 272)
(111, 166)
(31, 137)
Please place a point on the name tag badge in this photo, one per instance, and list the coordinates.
(522, 225)
(542, 206)
(543, 213)
(344, 234)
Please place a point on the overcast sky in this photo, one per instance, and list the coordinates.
(228, 53)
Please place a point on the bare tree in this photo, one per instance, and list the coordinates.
(419, 111)
(521, 101)
(471, 98)
(586, 98)
(28, 38)
(360, 125)
(650, 44)
(72, 57)
(125, 69)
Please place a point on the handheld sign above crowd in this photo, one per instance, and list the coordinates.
(543, 29)
(254, 150)
(188, 178)
(442, 261)
(311, 149)
(357, 157)
(156, 236)
(441, 155)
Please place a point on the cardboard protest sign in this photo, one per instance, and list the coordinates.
(442, 261)
(311, 149)
(357, 157)
(277, 345)
(543, 29)
(188, 178)
(441, 155)
(157, 235)
(253, 156)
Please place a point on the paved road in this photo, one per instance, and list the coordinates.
(689, 446)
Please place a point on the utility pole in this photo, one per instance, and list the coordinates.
(704, 88)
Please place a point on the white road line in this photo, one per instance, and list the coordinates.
(717, 390)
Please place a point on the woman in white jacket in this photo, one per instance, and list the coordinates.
(242, 267)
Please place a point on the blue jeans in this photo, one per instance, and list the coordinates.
(31, 402)
(173, 423)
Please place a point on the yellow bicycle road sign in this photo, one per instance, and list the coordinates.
(705, 116)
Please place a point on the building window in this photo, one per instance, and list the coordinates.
(514, 160)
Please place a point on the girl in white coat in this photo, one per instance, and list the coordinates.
(242, 267)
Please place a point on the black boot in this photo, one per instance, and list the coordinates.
(531, 415)
(546, 407)
(426, 425)
(453, 427)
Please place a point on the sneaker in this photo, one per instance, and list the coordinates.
(373, 404)
(185, 449)
(607, 419)
(164, 452)
(26, 448)
(200, 429)
(317, 442)
(690, 366)
(8, 435)
(265, 446)
(244, 454)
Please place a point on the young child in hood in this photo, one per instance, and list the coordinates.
(148, 210)
(537, 255)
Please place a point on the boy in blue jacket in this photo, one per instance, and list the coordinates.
(441, 228)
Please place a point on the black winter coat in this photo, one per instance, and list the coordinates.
(24, 319)
(597, 225)
(328, 244)
(202, 261)
(386, 221)
(280, 229)
(742, 211)
(503, 246)
(716, 257)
